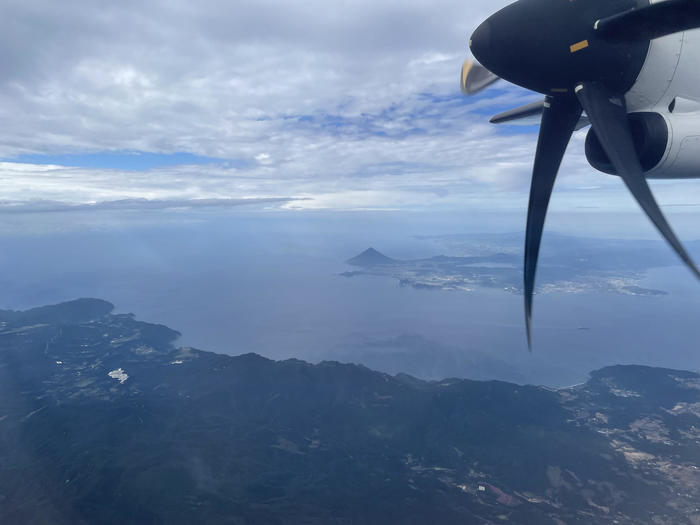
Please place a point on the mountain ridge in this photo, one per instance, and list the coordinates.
(105, 420)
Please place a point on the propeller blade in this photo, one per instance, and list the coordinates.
(527, 111)
(560, 116)
(475, 77)
(608, 114)
(653, 21)
(530, 114)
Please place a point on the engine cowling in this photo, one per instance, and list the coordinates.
(650, 134)
(667, 145)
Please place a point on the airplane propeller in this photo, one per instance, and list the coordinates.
(583, 56)
(475, 77)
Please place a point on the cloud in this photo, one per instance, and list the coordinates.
(351, 104)
(137, 204)
(214, 77)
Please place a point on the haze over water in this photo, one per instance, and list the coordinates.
(270, 284)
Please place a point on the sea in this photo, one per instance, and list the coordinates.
(269, 282)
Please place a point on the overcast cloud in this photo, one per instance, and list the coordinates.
(347, 104)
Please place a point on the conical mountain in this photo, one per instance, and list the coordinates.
(370, 257)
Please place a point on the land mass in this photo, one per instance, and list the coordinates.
(573, 265)
(104, 419)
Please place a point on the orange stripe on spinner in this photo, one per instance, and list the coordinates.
(578, 46)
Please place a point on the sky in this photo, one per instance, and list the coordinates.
(347, 105)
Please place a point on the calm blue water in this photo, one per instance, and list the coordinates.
(271, 286)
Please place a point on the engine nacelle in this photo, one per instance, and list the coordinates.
(668, 145)
(651, 136)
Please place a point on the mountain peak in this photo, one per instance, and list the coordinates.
(370, 257)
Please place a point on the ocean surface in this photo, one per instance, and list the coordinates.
(271, 285)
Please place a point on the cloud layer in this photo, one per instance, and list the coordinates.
(351, 104)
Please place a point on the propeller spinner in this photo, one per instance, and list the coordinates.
(582, 55)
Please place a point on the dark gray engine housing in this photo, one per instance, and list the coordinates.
(650, 134)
